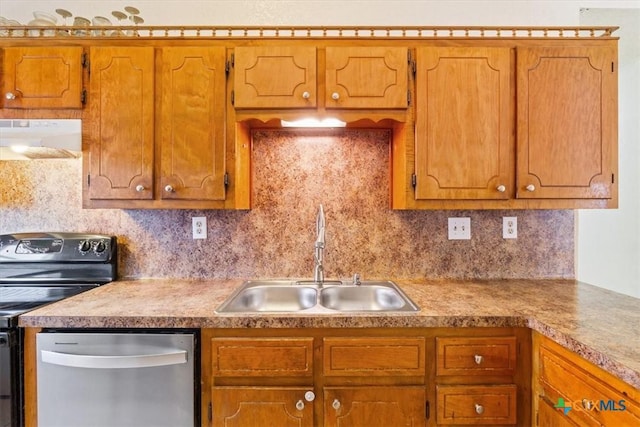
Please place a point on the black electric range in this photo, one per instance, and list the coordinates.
(37, 269)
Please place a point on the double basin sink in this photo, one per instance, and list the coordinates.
(291, 296)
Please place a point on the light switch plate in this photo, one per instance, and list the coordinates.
(199, 224)
(460, 228)
(509, 227)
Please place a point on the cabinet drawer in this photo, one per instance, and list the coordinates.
(266, 357)
(374, 356)
(476, 356)
(476, 404)
(592, 401)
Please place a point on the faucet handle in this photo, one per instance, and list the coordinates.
(356, 280)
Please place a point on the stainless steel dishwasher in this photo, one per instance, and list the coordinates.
(116, 379)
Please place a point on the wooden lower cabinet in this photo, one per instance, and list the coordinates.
(261, 406)
(481, 376)
(365, 377)
(579, 392)
(374, 406)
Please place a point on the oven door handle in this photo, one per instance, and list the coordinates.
(170, 357)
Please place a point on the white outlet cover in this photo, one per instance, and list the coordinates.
(509, 227)
(460, 228)
(199, 225)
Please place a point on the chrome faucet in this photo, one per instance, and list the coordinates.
(318, 270)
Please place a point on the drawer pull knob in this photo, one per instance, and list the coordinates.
(10, 96)
(531, 187)
(300, 405)
(309, 396)
(140, 188)
(336, 404)
(306, 95)
(501, 188)
(479, 409)
(169, 189)
(587, 404)
(335, 96)
(478, 359)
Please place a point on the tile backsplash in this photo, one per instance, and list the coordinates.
(293, 172)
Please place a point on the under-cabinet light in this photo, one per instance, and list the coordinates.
(19, 148)
(313, 123)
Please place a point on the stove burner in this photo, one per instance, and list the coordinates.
(40, 268)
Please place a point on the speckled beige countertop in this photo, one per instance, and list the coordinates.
(601, 326)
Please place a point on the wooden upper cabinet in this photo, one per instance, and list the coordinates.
(157, 131)
(275, 77)
(42, 77)
(464, 123)
(191, 123)
(122, 123)
(366, 77)
(567, 122)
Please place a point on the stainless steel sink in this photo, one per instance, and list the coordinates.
(272, 296)
(290, 296)
(375, 296)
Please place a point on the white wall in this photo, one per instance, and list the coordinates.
(326, 12)
(607, 241)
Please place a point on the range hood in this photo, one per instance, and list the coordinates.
(26, 139)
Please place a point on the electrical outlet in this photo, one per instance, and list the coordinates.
(460, 228)
(509, 227)
(199, 224)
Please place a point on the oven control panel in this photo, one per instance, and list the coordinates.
(56, 247)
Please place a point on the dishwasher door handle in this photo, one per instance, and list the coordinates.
(171, 357)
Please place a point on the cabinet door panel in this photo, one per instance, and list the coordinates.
(275, 77)
(42, 77)
(374, 406)
(192, 123)
(366, 77)
(122, 125)
(463, 129)
(548, 416)
(567, 122)
(593, 402)
(261, 406)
